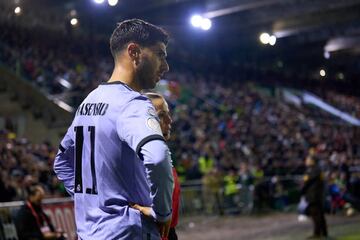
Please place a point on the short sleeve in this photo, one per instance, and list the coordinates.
(138, 124)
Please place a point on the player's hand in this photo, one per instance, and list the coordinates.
(52, 235)
(164, 228)
(144, 210)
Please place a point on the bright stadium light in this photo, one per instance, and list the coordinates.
(112, 2)
(99, 1)
(272, 40)
(196, 20)
(206, 24)
(264, 38)
(17, 10)
(74, 21)
(322, 73)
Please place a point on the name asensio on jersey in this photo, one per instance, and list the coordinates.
(93, 109)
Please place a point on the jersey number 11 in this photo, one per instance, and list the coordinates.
(79, 141)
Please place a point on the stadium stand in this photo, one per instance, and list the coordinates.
(238, 132)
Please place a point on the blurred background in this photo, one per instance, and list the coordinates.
(255, 88)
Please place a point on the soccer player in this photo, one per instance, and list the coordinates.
(162, 110)
(114, 153)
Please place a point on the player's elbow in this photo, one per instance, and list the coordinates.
(59, 171)
(56, 165)
(155, 152)
(59, 164)
(161, 157)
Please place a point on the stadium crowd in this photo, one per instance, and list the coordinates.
(249, 136)
(53, 61)
(222, 134)
(61, 63)
(349, 104)
(22, 164)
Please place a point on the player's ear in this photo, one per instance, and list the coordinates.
(134, 51)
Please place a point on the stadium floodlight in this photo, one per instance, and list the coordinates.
(206, 24)
(17, 10)
(112, 2)
(99, 1)
(272, 40)
(201, 22)
(322, 73)
(74, 21)
(264, 38)
(196, 20)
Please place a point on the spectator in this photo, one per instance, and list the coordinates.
(31, 222)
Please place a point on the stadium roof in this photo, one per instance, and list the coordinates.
(306, 31)
(310, 20)
(333, 22)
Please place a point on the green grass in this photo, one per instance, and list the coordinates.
(355, 236)
(346, 232)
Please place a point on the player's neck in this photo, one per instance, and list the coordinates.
(125, 76)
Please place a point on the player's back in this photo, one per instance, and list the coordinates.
(108, 173)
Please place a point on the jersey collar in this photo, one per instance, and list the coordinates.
(117, 82)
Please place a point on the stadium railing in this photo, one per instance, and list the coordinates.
(270, 193)
(277, 193)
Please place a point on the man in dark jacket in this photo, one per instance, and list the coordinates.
(314, 192)
(31, 222)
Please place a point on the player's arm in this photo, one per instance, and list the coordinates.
(64, 162)
(139, 127)
(156, 157)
